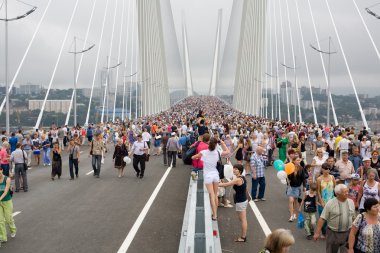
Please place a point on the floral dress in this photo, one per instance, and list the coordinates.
(369, 235)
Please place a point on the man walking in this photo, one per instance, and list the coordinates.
(19, 158)
(139, 149)
(258, 174)
(339, 213)
(96, 150)
(172, 147)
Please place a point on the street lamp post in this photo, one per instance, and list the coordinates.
(6, 20)
(75, 52)
(106, 89)
(329, 53)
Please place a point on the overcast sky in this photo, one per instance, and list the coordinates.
(201, 17)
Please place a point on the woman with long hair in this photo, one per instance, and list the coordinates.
(210, 157)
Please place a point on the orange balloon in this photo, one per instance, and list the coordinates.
(289, 168)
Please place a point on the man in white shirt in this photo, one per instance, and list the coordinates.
(146, 138)
(138, 150)
(343, 144)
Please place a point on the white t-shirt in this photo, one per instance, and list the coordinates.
(209, 158)
(146, 136)
(343, 144)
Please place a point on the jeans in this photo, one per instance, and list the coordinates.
(255, 182)
(136, 160)
(96, 164)
(20, 171)
(310, 222)
(46, 155)
(6, 210)
(74, 163)
(5, 169)
(165, 155)
(172, 156)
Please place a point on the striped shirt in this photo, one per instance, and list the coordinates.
(339, 215)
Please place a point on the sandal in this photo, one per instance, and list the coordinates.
(214, 219)
(241, 239)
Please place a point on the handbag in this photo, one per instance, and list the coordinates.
(300, 221)
(25, 165)
(92, 146)
(220, 167)
(186, 157)
(146, 156)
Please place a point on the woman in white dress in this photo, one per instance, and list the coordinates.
(317, 162)
(365, 147)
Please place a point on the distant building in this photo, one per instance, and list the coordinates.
(51, 105)
(292, 94)
(2, 90)
(29, 89)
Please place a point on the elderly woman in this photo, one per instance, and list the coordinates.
(240, 198)
(118, 157)
(369, 189)
(279, 241)
(366, 228)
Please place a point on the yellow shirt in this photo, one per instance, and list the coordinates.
(337, 140)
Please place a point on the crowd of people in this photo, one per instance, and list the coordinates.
(340, 181)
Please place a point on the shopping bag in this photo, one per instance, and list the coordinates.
(300, 221)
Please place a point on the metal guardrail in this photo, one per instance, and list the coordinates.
(199, 233)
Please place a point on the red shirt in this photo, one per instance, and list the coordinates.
(198, 164)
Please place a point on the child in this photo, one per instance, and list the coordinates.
(309, 202)
(353, 189)
(310, 174)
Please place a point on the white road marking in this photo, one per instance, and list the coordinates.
(260, 218)
(15, 213)
(90, 172)
(131, 235)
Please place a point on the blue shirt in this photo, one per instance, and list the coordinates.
(258, 162)
(13, 141)
(357, 161)
(183, 140)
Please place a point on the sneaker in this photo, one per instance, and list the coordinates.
(309, 237)
(13, 235)
(256, 200)
(194, 175)
(141, 176)
(97, 176)
(294, 216)
(263, 199)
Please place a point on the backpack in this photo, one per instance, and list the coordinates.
(186, 157)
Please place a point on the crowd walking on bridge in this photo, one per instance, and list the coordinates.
(336, 192)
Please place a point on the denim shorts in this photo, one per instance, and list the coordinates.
(294, 192)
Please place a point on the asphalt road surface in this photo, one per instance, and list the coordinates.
(108, 213)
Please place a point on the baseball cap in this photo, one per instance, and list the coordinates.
(173, 134)
(366, 159)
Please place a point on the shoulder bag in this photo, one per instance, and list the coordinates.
(146, 156)
(220, 167)
(23, 156)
